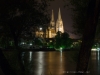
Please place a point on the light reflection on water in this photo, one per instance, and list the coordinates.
(55, 63)
(30, 56)
(61, 56)
(98, 61)
(95, 62)
(40, 64)
(98, 55)
(93, 55)
(23, 53)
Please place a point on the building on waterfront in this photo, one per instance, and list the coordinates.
(53, 27)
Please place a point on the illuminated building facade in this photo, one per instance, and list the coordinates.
(53, 27)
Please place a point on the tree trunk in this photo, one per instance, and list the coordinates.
(19, 53)
(88, 37)
(6, 68)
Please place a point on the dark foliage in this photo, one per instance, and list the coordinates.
(19, 18)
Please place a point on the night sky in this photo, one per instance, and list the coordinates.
(66, 15)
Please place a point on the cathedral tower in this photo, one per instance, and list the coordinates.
(52, 22)
(59, 23)
(51, 32)
(52, 26)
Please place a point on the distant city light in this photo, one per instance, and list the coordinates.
(23, 43)
(30, 44)
(40, 28)
(61, 48)
(95, 49)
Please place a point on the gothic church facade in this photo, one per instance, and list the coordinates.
(53, 27)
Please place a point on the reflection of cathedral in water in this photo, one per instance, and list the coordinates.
(53, 28)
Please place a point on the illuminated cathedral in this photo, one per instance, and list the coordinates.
(53, 27)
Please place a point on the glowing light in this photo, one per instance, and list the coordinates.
(40, 28)
(23, 43)
(98, 49)
(93, 49)
(30, 44)
(61, 48)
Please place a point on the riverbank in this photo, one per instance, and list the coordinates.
(41, 49)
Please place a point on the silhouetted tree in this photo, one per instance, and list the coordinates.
(18, 17)
(58, 40)
(85, 19)
(88, 36)
(79, 9)
(5, 66)
(62, 40)
(66, 41)
(79, 13)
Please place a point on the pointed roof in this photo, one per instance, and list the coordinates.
(59, 15)
(52, 16)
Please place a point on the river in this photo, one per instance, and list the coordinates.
(55, 63)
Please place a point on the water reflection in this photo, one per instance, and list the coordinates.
(23, 53)
(30, 56)
(56, 63)
(48, 63)
(61, 56)
(98, 55)
(98, 62)
(95, 62)
(40, 63)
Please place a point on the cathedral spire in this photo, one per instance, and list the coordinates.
(59, 15)
(52, 22)
(52, 16)
(59, 23)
